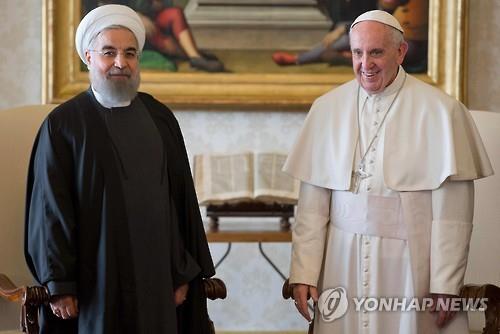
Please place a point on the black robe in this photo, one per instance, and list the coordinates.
(74, 238)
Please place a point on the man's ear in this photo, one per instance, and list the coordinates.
(88, 57)
(403, 49)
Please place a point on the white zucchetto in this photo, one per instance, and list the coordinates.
(379, 16)
(103, 17)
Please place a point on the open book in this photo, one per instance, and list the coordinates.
(223, 178)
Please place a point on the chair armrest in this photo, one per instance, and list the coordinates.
(31, 299)
(215, 288)
(492, 312)
(287, 290)
(9, 290)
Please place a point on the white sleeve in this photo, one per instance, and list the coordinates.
(452, 211)
(309, 234)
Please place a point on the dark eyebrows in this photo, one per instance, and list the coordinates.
(110, 47)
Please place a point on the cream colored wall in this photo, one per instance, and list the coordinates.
(484, 48)
(254, 302)
(20, 54)
(484, 255)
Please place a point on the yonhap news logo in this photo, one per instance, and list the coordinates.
(333, 304)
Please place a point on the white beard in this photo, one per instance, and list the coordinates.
(115, 91)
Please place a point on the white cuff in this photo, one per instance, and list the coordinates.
(449, 251)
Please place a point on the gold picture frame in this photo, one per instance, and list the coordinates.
(63, 77)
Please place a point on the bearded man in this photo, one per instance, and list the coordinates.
(113, 228)
(385, 208)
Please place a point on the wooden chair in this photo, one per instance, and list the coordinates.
(33, 297)
(489, 291)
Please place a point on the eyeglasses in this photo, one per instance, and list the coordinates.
(131, 54)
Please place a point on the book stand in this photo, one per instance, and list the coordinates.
(250, 231)
(250, 209)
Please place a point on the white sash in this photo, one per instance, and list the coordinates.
(368, 214)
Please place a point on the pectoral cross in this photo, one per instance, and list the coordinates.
(359, 175)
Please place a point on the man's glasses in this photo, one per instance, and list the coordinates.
(131, 54)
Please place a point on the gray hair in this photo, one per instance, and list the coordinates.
(396, 36)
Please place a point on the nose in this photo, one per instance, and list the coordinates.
(120, 61)
(366, 60)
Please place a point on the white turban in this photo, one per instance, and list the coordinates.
(103, 17)
(379, 16)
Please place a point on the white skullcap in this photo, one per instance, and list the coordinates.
(103, 17)
(379, 16)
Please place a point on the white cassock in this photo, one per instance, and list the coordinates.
(406, 233)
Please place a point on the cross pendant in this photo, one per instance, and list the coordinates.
(358, 176)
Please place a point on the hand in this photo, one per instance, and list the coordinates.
(180, 294)
(64, 306)
(333, 36)
(443, 316)
(301, 294)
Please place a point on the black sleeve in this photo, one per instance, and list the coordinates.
(51, 228)
(184, 266)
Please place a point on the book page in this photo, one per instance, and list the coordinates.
(271, 183)
(223, 178)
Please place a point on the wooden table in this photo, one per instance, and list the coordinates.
(249, 231)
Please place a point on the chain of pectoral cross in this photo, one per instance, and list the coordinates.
(360, 173)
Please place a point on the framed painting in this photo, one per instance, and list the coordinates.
(255, 54)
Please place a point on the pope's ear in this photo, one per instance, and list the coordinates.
(403, 49)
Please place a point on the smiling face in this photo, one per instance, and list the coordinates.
(114, 65)
(376, 55)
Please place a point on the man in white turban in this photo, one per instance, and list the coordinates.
(386, 164)
(113, 228)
